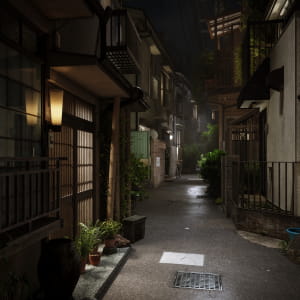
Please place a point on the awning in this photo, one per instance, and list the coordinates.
(137, 101)
(275, 80)
(256, 90)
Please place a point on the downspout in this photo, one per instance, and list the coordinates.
(113, 182)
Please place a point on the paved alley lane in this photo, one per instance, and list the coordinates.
(180, 220)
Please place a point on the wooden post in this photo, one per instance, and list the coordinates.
(127, 155)
(113, 161)
(221, 127)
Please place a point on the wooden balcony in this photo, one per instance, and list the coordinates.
(85, 62)
(122, 42)
(29, 196)
(225, 80)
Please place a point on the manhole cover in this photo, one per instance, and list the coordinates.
(199, 281)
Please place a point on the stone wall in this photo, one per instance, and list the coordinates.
(267, 223)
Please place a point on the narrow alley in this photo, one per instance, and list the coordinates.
(180, 219)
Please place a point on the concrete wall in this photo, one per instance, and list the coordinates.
(80, 36)
(173, 161)
(297, 21)
(264, 223)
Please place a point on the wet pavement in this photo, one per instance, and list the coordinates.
(180, 219)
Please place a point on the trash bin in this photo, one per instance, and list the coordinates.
(134, 228)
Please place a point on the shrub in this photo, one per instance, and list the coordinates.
(210, 171)
(138, 176)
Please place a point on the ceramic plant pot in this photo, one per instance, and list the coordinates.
(58, 269)
(94, 258)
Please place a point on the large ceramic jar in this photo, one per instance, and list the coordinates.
(58, 269)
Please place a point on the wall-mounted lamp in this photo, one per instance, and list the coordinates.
(56, 97)
(171, 137)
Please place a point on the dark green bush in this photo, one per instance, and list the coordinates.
(210, 171)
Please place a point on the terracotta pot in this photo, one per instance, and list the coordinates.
(94, 258)
(110, 243)
(58, 269)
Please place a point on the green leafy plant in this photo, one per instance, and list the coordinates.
(109, 229)
(138, 176)
(219, 201)
(210, 170)
(87, 239)
(284, 246)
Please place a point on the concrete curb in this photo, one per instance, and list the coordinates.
(94, 283)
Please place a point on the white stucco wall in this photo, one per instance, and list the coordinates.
(282, 122)
(297, 169)
(281, 135)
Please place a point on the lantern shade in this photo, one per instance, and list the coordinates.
(56, 106)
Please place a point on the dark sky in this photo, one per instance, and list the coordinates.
(182, 26)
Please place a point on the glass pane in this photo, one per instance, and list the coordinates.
(27, 71)
(36, 76)
(7, 148)
(7, 123)
(9, 26)
(3, 59)
(14, 64)
(34, 132)
(14, 96)
(3, 92)
(32, 102)
(29, 41)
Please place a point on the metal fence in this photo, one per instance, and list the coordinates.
(263, 186)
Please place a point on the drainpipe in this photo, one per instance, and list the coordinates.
(113, 199)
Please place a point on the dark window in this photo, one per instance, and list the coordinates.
(20, 104)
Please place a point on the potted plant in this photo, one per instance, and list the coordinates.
(108, 230)
(87, 242)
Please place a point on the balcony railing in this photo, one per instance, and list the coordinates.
(122, 42)
(29, 194)
(118, 42)
(259, 40)
(226, 77)
(263, 186)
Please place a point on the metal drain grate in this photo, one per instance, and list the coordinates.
(199, 281)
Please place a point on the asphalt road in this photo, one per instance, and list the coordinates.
(180, 219)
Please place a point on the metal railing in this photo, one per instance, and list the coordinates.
(265, 186)
(29, 192)
(122, 42)
(259, 40)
